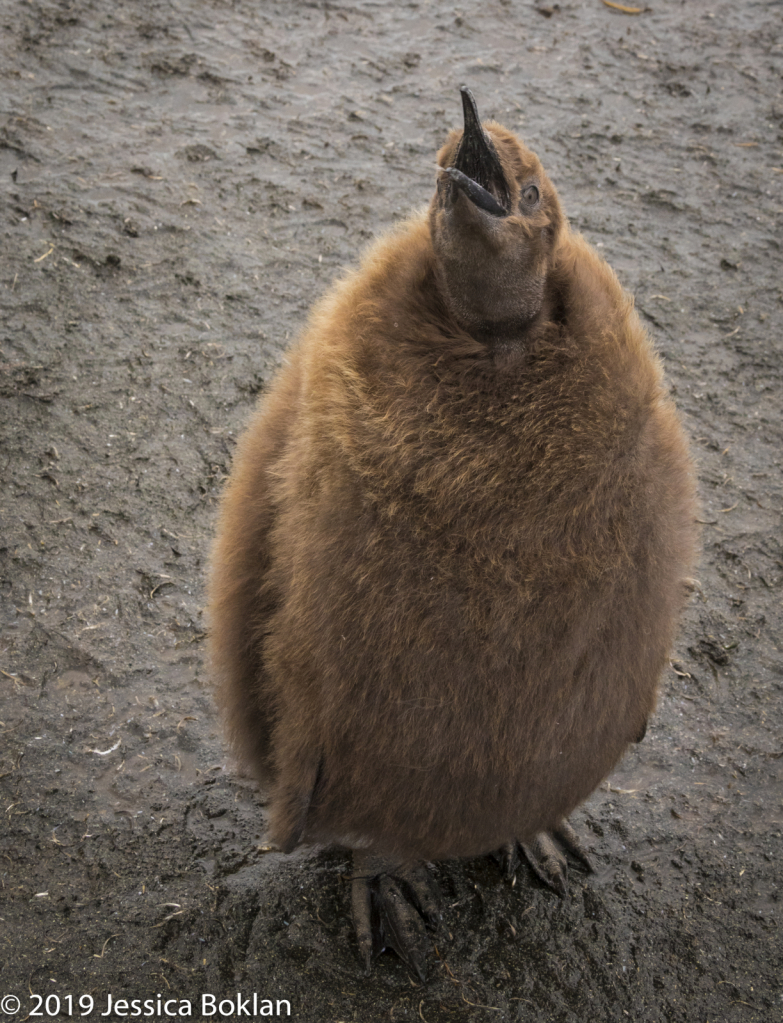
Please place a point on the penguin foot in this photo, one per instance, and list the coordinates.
(546, 855)
(392, 903)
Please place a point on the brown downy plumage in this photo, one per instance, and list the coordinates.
(450, 558)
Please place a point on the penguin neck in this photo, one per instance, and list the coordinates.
(509, 339)
(506, 336)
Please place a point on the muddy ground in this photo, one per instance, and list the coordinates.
(180, 181)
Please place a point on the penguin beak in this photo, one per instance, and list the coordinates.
(477, 171)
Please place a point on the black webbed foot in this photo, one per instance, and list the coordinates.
(392, 903)
(546, 855)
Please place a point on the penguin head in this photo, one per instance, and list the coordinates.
(495, 222)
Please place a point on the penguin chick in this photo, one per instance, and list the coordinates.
(449, 560)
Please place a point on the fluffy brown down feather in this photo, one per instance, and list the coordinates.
(447, 574)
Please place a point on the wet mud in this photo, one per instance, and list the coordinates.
(179, 183)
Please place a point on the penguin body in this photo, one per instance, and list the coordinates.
(450, 557)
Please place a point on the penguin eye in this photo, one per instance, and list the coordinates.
(530, 195)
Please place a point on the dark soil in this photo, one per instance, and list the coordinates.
(180, 181)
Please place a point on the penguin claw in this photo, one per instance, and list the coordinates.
(507, 858)
(570, 841)
(548, 863)
(393, 905)
(545, 856)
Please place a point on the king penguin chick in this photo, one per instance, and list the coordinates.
(450, 558)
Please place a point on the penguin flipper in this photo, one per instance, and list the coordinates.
(293, 799)
(546, 856)
(392, 903)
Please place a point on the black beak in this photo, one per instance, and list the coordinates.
(477, 170)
